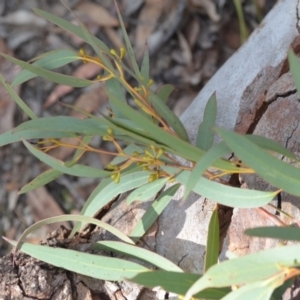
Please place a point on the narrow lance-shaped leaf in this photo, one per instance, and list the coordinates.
(90, 40)
(205, 136)
(52, 174)
(146, 191)
(261, 290)
(114, 87)
(41, 180)
(213, 243)
(227, 195)
(12, 137)
(249, 268)
(153, 212)
(108, 189)
(168, 115)
(79, 218)
(49, 61)
(177, 283)
(295, 69)
(17, 99)
(205, 162)
(76, 170)
(273, 170)
(128, 44)
(164, 92)
(270, 145)
(140, 253)
(282, 233)
(96, 266)
(69, 27)
(49, 75)
(64, 124)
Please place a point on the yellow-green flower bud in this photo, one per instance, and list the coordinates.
(150, 82)
(109, 131)
(106, 138)
(122, 52)
(152, 177)
(148, 154)
(160, 152)
(117, 177)
(136, 154)
(113, 52)
(82, 52)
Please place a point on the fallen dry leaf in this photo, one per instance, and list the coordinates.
(43, 206)
(97, 14)
(209, 7)
(148, 21)
(90, 102)
(170, 23)
(186, 50)
(86, 71)
(7, 104)
(23, 17)
(192, 31)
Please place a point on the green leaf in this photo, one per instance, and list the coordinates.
(128, 44)
(270, 145)
(278, 292)
(52, 174)
(227, 195)
(49, 61)
(153, 212)
(11, 136)
(295, 69)
(145, 66)
(76, 170)
(140, 253)
(273, 170)
(242, 24)
(172, 144)
(108, 189)
(70, 27)
(49, 75)
(115, 88)
(96, 266)
(78, 218)
(164, 92)
(177, 283)
(250, 268)
(205, 136)
(206, 160)
(40, 180)
(281, 233)
(17, 99)
(147, 191)
(257, 290)
(98, 50)
(213, 241)
(167, 114)
(69, 125)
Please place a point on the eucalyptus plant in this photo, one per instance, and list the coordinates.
(154, 137)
